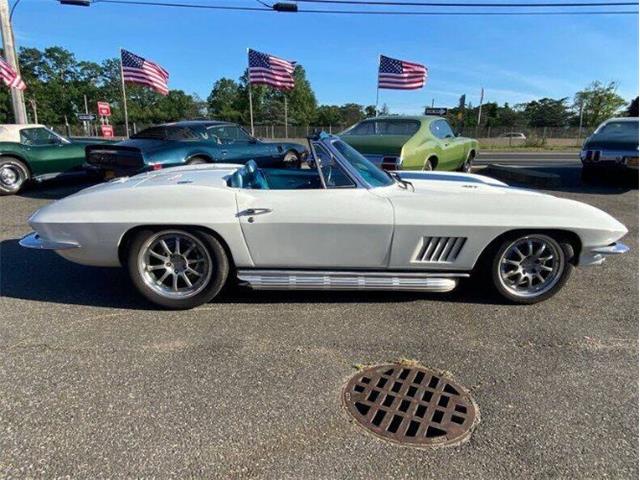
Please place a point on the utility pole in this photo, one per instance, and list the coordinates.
(17, 98)
(34, 107)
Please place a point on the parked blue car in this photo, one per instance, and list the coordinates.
(189, 143)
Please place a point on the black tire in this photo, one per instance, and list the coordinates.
(561, 249)
(14, 175)
(197, 161)
(215, 281)
(428, 165)
(291, 160)
(468, 163)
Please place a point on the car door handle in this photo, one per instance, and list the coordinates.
(224, 152)
(254, 211)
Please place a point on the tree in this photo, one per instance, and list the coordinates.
(328, 115)
(599, 102)
(546, 112)
(632, 109)
(351, 113)
(301, 100)
(370, 111)
(223, 102)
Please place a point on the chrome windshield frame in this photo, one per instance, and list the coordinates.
(327, 142)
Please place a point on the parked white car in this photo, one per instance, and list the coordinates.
(343, 223)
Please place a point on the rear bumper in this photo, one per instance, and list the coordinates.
(35, 241)
(612, 159)
(597, 255)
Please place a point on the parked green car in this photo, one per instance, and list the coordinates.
(34, 152)
(412, 143)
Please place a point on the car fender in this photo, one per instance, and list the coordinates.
(116, 211)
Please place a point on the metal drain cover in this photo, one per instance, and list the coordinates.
(410, 405)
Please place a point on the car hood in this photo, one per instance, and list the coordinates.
(478, 200)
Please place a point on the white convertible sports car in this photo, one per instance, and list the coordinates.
(341, 223)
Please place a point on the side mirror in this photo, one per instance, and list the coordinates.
(253, 140)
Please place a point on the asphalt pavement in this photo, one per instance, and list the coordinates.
(96, 383)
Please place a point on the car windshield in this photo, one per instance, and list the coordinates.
(627, 129)
(179, 133)
(40, 136)
(367, 170)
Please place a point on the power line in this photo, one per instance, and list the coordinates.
(445, 4)
(368, 12)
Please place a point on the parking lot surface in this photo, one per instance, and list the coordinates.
(97, 383)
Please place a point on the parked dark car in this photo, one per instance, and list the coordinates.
(188, 143)
(614, 145)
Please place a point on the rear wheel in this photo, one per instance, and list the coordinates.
(531, 268)
(177, 269)
(429, 165)
(13, 175)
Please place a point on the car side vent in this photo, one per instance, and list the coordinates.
(440, 249)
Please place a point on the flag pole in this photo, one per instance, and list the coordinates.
(250, 98)
(378, 84)
(124, 99)
(286, 123)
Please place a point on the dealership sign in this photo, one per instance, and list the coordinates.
(435, 111)
(107, 130)
(104, 109)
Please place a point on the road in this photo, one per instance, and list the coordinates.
(96, 383)
(528, 158)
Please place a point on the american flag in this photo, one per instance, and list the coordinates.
(10, 77)
(400, 75)
(139, 70)
(269, 70)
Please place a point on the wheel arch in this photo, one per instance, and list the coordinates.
(20, 158)
(127, 237)
(565, 236)
(204, 155)
(434, 158)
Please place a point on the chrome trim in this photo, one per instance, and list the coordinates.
(34, 240)
(615, 248)
(335, 280)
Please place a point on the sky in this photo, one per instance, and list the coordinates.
(515, 59)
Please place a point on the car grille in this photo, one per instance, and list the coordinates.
(439, 249)
(114, 157)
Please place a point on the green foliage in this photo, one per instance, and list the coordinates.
(546, 112)
(58, 82)
(599, 102)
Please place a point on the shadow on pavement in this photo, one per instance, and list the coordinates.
(57, 188)
(572, 180)
(45, 277)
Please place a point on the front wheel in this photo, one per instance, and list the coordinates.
(177, 269)
(531, 268)
(13, 175)
(428, 165)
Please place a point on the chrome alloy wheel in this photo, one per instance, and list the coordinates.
(531, 265)
(175, 264)
(10, 175)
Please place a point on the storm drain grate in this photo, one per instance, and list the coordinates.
(410, 405)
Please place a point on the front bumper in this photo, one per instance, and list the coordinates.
(596, 255)
(35, 241)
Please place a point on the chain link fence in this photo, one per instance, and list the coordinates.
(487, 136)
